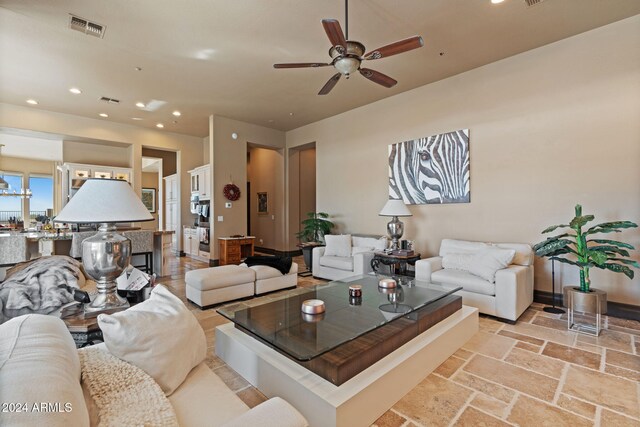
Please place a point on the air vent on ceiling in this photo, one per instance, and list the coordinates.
(533, 2)
(110, 100)
(86, 27)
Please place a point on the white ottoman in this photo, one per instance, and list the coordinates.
(269, 279)
(208, 286)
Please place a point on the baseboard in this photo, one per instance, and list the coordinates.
(615, 309)
(270, 251)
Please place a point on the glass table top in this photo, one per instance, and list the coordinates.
(281, 322)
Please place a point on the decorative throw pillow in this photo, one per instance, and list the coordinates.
(159, 335)
(361, 249)
(377, 244)
(486, 262)
(457, 261)
(338, 245)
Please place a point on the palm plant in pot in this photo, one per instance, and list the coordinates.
(312, 234)
(578, 247)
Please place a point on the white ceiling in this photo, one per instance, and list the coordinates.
(205, 57)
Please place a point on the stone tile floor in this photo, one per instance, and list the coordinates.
(529, 374)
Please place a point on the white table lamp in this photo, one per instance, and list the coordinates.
(395, 227)
(106, 254)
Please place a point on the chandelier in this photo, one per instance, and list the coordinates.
(5, 188)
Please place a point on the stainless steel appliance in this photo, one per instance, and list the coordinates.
(203, 236)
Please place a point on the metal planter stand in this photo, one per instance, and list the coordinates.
(594, 302)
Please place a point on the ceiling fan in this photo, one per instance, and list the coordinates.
(347, 55)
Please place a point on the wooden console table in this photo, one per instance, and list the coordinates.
(234, 249)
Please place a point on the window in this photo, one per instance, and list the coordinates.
(42, 196)
(11, 207)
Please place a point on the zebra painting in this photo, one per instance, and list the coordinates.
(431, 170)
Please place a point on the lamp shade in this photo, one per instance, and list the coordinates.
(104, 200)
(395, 208)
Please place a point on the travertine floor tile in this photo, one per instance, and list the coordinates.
(551, 323)
(489, 324)
(623, 360)
(521, 337)
(580, 407)
(231, 378)
(486, 387)
(449, 367)
(529, 347)
(528, 411)
(520, 379)
(472, 417)
(612, 419)
(534, 362)
(621, 372)
(609, 339)
(434, 402)
(603, 389)
(463, 354)
(389, 419)
(540, 332)
(489, 405)
(251, 396)
(527, 316)
(489, 344)
(572, 355)
(624, 323)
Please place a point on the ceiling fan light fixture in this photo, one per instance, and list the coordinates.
(347, 65)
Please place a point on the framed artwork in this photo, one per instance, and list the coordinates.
(122, 176)
(431, 170)
(81, 174)
(103, 175)
(263, 203)
(149, 199)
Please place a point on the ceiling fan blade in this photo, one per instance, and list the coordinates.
(378, 77)
(335, 34)
(330, 84)
(396, 48)
(301, 65)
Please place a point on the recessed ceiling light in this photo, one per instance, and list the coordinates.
(496, 1)
(136, 118)
(75, 91)
(32, 102)
(291, 114)
(103, 115)
(159, 125)
(138, 68)
(271, 121)
(176, 113)
(140, 104)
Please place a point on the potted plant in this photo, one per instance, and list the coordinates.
(312, 234)
(578, 247)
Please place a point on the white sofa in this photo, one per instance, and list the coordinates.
(346, 255)
(40, 364)
(507, 298)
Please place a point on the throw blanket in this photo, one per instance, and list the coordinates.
(124, 394)
(41, 285)
(282, 264)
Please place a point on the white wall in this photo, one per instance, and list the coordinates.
(549, 128)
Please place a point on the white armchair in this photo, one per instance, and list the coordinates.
(507, 298)
(346, 255)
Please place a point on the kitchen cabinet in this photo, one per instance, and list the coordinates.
(191, 243)
(200, 177)
(74, 175)
(171, 209)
